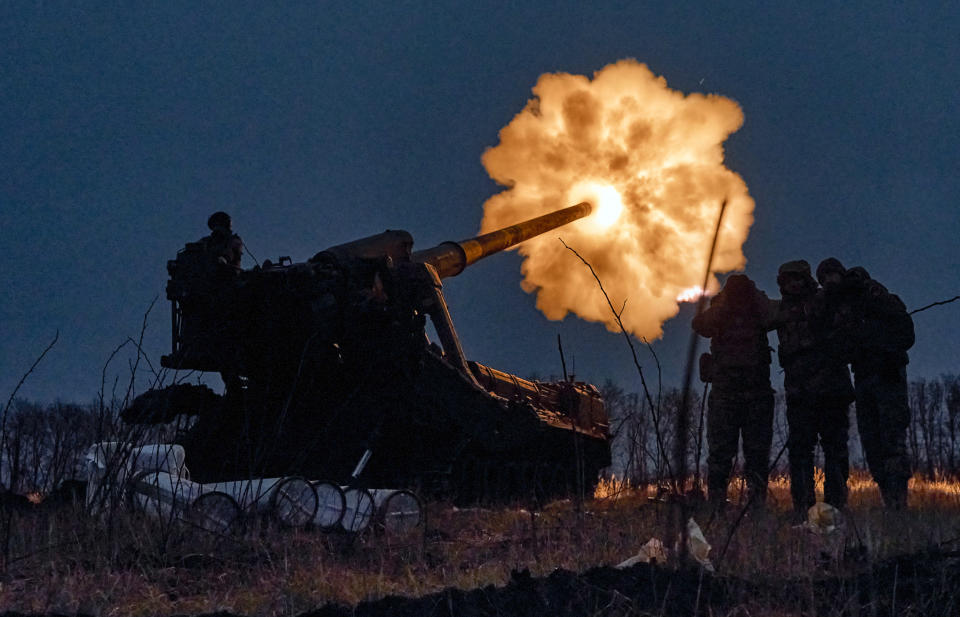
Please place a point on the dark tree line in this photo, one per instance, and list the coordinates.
(934, 434)
(45, 444)
(933, 437)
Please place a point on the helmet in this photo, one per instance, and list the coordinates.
(857, 277)
(830, 264)
(218, 219)
(799, 268)
(739, 288)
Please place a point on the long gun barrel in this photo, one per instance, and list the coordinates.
(450, 258)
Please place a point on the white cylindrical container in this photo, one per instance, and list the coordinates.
(358, 511)
(215, 512)
(398, 511)
(168, 457)
(253, 496)
(111, 464)
(330, 505)
(167, 496)
(294, 502)
(162, 494)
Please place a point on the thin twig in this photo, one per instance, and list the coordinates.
(139, 346)
(683, 417)
(656, 360)
(103, 373)
(633, 351)
(933, 304)
(56, 337)
(8, 514)
(23, 379)
(697, 481)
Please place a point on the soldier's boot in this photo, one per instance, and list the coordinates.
(757, 495)
(835, 485)
(894, 492)
(717, 491)
(802, 484)
(895, 476)
(756, 473)
(897, 498)
(836, 470)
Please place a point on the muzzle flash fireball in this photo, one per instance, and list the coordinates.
(651, 160)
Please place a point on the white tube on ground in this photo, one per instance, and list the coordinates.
(358, 511)
(162, 494)
(330, 505)
(294, 502)
(110, 464)
(397, 511)
(215, 512)
(254, 495)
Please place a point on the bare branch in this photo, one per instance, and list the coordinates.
(140, 354)
(633, 351)
(56, 337)
(923, 308)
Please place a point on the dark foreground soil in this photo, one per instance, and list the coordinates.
(926, 584)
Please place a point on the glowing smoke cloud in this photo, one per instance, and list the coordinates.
(651, 161)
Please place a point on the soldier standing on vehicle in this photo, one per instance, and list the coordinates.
(224, 246)
(741, 401)
(223, 252)
(818, 389)
(875, 331)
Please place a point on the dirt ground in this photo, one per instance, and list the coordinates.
(503, 561)
(908, 585)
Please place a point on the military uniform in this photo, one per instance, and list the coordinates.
(878, 331)
(818, 389)
(224, 247)
(741, 400)
(223, 251)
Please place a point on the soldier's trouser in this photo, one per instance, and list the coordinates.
(732, 412)
(883, 415)
(809, 417)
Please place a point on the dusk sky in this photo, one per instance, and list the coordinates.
(315, 123)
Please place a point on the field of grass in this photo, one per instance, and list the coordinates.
(59, 560)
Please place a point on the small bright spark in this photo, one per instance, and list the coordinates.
(690, 294)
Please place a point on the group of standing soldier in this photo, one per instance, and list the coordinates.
(848, 319)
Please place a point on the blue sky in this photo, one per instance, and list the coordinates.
(124, 127)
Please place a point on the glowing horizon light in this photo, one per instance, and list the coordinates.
(690, 294)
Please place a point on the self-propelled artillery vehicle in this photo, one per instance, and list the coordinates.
(329, 373)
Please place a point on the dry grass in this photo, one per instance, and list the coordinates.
(131, 566)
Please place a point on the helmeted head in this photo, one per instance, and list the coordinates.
(830, 273)
(739, 289)
(219, 219)
(794, 278)
(856, 277)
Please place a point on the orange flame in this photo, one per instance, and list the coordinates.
(650, 159)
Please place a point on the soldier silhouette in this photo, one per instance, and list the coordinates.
(741, 400)
(874, 332)
(222, 245)
(818, 389)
